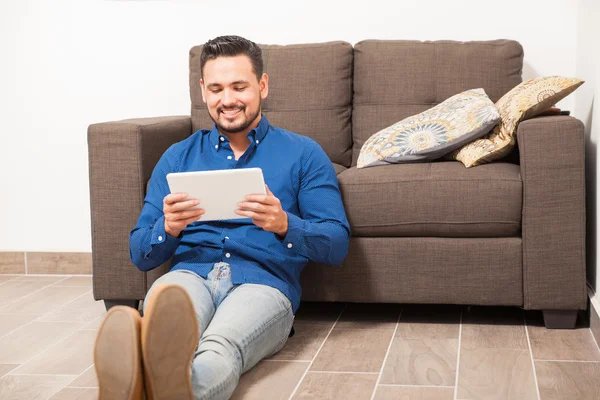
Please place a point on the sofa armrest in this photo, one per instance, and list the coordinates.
(122, 155)
(552, 158)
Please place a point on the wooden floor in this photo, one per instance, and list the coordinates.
(48, 325)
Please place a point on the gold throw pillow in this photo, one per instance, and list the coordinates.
(525, 101)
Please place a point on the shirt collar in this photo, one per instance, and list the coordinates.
(255, 134)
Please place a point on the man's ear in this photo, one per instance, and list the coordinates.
(264, 86)
(203, 91)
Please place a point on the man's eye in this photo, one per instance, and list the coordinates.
(240, 88)
(215, 90)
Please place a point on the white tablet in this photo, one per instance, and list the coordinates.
(219, 191)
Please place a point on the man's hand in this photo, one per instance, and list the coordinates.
(265, 211)
(177, 213)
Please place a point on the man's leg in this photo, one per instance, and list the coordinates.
(196, 287)
(252, 322)
(176, 309)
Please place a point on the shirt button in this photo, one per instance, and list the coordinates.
(160, 238)
(289, 245)
(229, 157)
(257, 141)
(227, 255)
(226, 237)
(222, 139)
(216, 146)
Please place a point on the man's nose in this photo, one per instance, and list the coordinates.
(228, 98)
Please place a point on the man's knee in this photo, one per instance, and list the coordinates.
(219, 349)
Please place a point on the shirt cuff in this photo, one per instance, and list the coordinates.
(294, 237)
(160, 237)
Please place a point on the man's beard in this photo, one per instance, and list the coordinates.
(240, 128)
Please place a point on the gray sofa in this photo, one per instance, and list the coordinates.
(505, 233)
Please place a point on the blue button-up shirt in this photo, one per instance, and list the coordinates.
(299, 174)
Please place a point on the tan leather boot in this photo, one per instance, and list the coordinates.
(169, 338)
(118, 356)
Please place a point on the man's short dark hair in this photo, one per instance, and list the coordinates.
(231, 46)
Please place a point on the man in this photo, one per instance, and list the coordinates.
(230, 297)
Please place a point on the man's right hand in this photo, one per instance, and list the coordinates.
(177, 213)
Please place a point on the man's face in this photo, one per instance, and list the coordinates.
(233, 94)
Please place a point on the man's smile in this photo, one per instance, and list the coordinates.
(231, 114)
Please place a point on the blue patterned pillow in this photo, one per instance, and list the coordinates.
(433, 133)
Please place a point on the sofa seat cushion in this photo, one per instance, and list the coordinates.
(339, 168)
(438, 199)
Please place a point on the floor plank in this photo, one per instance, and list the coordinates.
(270, 380)
(413, 393)
(306, 341)
(21, 345)
(76, 394)
(568, 380)
(493, 328)
(496, 374)
(31, 387)
(353, 350)
(421, 362)
(563, 344)
(71, 356)
(317, 386)
(45, 300)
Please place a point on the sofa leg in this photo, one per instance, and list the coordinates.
(129, 303)
(560, 319)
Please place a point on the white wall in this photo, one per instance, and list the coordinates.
(66, 64)
(587, 109)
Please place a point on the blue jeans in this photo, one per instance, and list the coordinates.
(239, 325)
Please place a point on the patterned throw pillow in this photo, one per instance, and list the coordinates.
(524, 101)
(433, 133)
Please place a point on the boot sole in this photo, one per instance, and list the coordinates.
(169, 338)
(117, 355)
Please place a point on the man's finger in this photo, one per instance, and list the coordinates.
(251, 214)
(184, 205)
(187, 214)
(251, 206)
(192, 219)
(175, 197)
(260, 198)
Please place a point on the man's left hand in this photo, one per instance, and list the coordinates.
(265, 211)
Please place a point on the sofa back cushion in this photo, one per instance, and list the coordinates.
(394, 79)
(310, 93)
